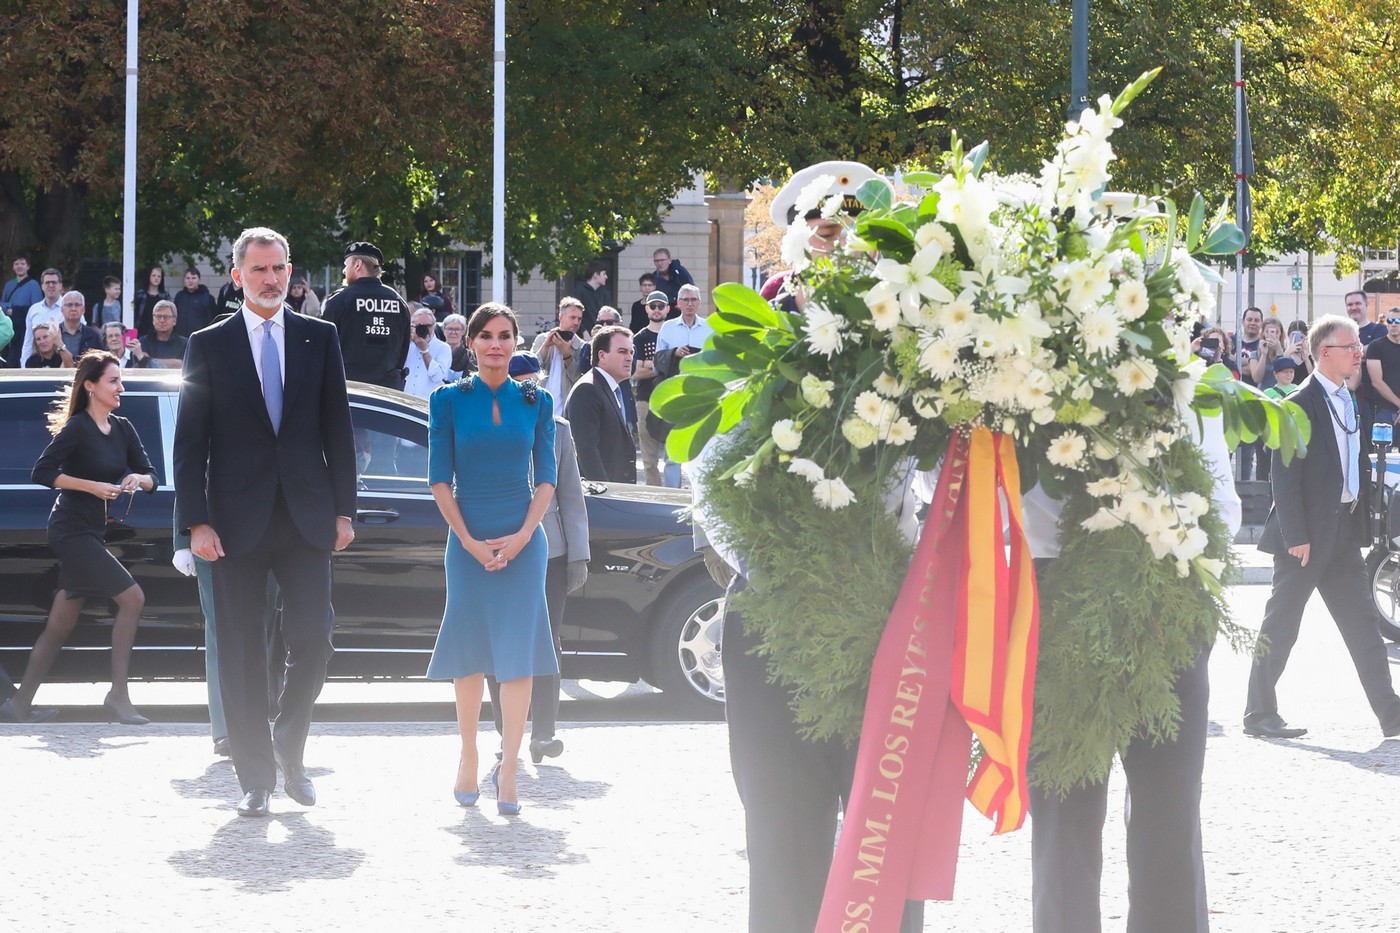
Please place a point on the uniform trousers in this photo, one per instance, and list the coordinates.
(792, 790)
(303, 572)
(1162, 813)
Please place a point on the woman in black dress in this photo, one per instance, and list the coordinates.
(94, 457)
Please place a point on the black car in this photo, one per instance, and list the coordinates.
(649, 610)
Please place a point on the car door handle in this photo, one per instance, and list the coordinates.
(376, 516)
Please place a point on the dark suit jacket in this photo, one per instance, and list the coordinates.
(601, 439)
(228, 462)
(1307, 505)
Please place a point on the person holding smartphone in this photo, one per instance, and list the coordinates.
(560, 351)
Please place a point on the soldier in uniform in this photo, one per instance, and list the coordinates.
(373, 321)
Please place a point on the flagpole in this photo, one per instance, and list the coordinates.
(1239, 189)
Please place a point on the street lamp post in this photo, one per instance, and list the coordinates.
(1079, 59)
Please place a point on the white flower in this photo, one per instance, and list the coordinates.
(859, 432)
(745, 476)
(1108, 486)
(883, 302)
(1102, 520)
(933, 232)
(927, 404)
(912, 283)
(1087, 282)
(1100, 330)
(868, 407)
(786, 435)
(901, 432)
(956, 318)
(1216, 568)
(811, 195)
(795, 246)
(1093, 417)
(832, 494)
(1131, 300)
(826, 331)
(1134, 375)
(1067, 450)
(888, 386)
(817, 392)
(967, 206)
(807, 469)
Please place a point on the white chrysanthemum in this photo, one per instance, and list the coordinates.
(811, 195)
(786, 435)
(859, 433)
(1108, 486)
(888, 386)
(901, 432)
(826, 331)
(957, 316)
(796, 248)
(1067, 450)
(832, 494)
(939, 357)
(1131, 301)
(1105, 519)
(1100, 330)
(868, 407)
(807, 469)
(1087, 283)
(933, 232)
(1134, 375)
(832, 206)
(817, 392)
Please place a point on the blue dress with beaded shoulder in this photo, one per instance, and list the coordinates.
(495, 622)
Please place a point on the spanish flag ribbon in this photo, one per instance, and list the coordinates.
(959, 650)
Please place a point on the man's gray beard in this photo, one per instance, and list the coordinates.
(257, 302)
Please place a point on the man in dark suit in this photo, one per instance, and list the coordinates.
(1315, 531)
(597, 410)
(265, 481)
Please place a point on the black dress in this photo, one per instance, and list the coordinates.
(79, 519)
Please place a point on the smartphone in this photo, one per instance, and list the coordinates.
(567, 334)
(131, 335)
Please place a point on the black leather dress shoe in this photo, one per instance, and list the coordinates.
(1273, 727)
(221, 748)
(540, 749)
(296, 783)
(254, 803)
(1390, 725)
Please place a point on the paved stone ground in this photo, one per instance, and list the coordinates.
(635, 828)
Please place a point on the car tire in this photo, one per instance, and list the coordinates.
(1383, 575)
(685, 644)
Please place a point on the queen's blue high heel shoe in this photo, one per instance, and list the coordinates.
(466, 798)
(504, 808)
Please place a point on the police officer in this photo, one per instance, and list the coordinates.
(374, 322)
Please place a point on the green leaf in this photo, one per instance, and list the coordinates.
(922, 179)
(683, 399)
(1223, 240)
(889, 234)
(741, 303)
(928, 207)
(1195, 219)
(978, 157)
(875, 194)
(685, 442)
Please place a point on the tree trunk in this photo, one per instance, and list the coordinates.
(17, 233)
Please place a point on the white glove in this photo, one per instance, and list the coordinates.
(577, 575)
(183, 561)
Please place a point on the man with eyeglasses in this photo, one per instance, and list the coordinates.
(1383, 371)
(77, 336)
(651, 431)
(46, 309)
(1315, 531)
(670, 274)
(165, 347)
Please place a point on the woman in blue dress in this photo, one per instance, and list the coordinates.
(484, 433)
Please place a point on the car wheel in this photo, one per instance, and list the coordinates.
(685, 644)
(1383, 571)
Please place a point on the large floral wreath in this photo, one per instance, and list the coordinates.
(1038, 307)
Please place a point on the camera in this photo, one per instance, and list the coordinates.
(566, 334)
(422, 330)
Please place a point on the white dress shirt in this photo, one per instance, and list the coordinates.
(612, 389)
(1340, 417)
(422, 377)
(256, 336)
(676, 333)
